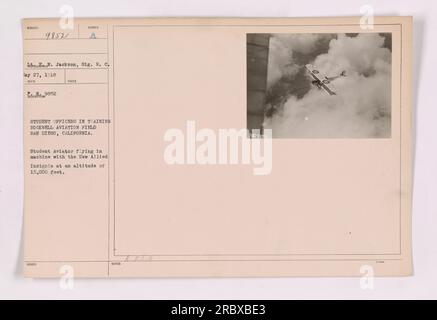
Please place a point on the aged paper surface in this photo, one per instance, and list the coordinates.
(127, 170)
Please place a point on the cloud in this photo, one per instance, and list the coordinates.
(362, 106)
(282, 48)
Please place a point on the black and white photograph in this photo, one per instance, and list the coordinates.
(320, 85)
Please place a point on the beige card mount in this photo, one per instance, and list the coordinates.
(217, 147)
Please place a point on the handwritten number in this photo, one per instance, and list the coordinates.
(56, 35)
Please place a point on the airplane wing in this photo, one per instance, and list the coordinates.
(323, 80)
(314, 72)
(328, 87)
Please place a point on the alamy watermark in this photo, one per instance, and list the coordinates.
(367, 278)
(367, 18)
(219, 147)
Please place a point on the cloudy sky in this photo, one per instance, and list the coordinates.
(362, 106)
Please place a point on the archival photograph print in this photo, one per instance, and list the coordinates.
(320, 85)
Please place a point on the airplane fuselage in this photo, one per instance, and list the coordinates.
(322, 81)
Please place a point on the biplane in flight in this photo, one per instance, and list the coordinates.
(322, 81)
